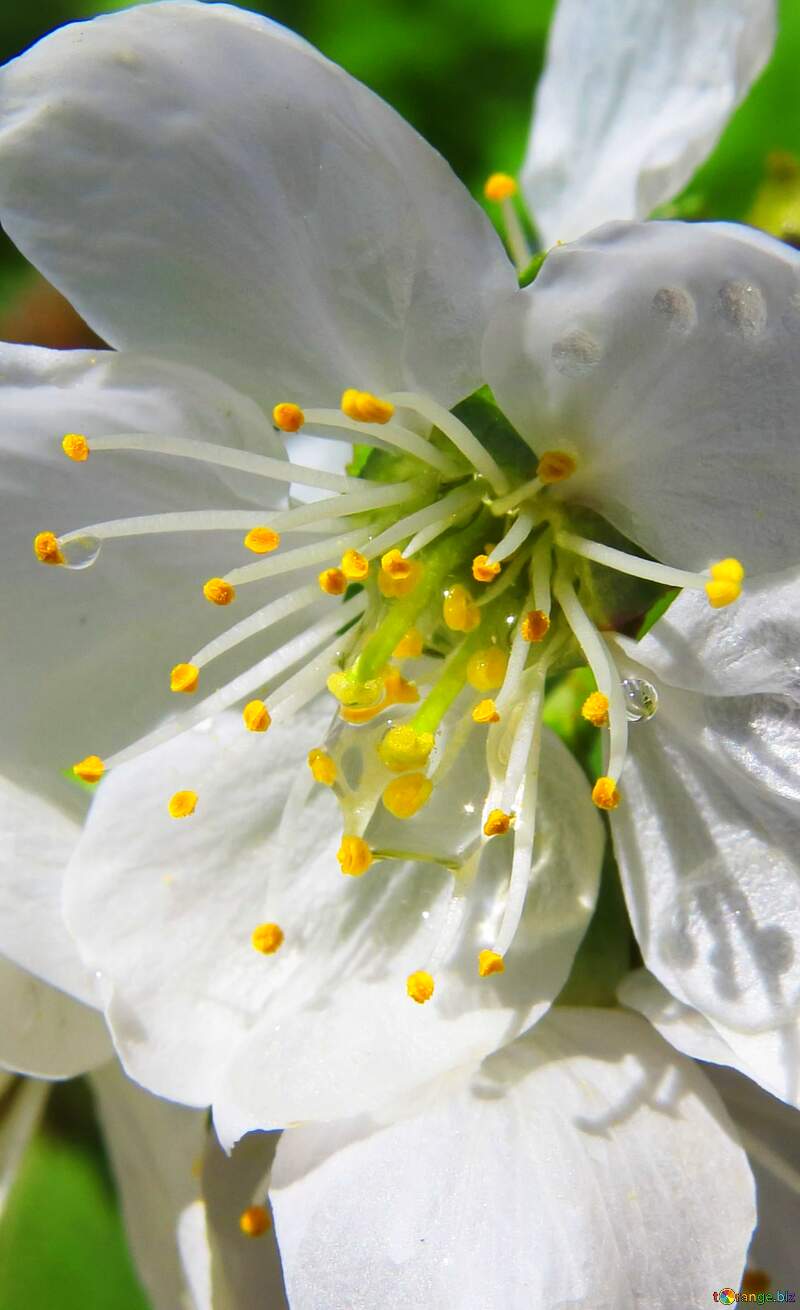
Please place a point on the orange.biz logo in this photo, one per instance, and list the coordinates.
(727, 1296)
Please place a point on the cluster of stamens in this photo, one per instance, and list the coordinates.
(450, 562)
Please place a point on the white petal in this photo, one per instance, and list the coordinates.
(665, 355)
(633, 98)
(751, 647)
(706, 838)
(156, 1149)
(165, 910)
(586, 1166)
(268, 216)
(771, 1058)
(87, 656)
(45, 1032)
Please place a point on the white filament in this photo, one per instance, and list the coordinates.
(318, 552)
(600, 661)
(524, 833)
(630, 564)
(459, 434)
(393, 434)
(257, 622)
(516, 535)
(439, 516)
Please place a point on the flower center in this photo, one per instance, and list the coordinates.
(465, 588)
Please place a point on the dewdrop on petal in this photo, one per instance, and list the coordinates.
(419, 986)
(255, 1221)
(354, 856)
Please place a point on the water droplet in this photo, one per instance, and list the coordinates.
(641, 699)
(744, 307)
(80, 552)
(576, 353)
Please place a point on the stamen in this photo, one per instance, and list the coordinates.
(262, 540)
(303, 556)
(322, 766)
(288, 417)
(501, 188)
(354, 856)
(595, 709)
(427, 523)
(420, 986)
(205, 452)
(535, 626)
(527, 491)
(46, 548)
(253, 624)
(497, 823)
(404, 748)
(605, 794)
(255, 1221)
(355, 566)
(76, 447)
(89, 770)
(516, 535)
(458, 432)
(521, 863)
(490, 962)
(182, 804)
(219, 592)
(459, 610)
(398, 576)
(555, 466)
(541, 564)
(410, 648)
(486, 669)
(483, 569)
(267, 938)
(184, 678)
(366, 408)
(256, 716)
(406, 795)
(485, 712)
(727, 573)
(332, 582)
(525, 736)
(390, 434)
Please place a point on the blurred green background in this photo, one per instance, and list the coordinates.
(463, 72)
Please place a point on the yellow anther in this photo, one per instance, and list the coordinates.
(459, 610)
(485, 712)
(404, 749)
(556, 466)
(487, 668)
(323, 768)
(332, 582)
(595, 709)
(497, 823)
(500, 186)
(404, 796)
(256, 716)
(354, 856)
(219, 592)
(75, 446)
(726, 585)
(410, 646)
(490, 962)
(419, 986)
(354, 566)
(535, 626)
(397, 690)
(366, 408)
(398, 576)
(184, 677)
(267, 938)
(262, 540)
(182, 804)
(482, 570)
(605, 794)
(89, 770)
(255, 1221)
(46, 548)
(288, 417)
(348, 692)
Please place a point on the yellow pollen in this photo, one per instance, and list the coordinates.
(555, 466)
(354, 856)
(89, 770)
(482, 570)
(75, 446)
(459, 610)
(219, 592)
(490, 962)
(410, 646)
(256, 716)
(396, 565)
(332, 582)
(419, 986)
(354, 566)
(404, 749)
(46, 548)
(397, 690)
(595, 709)
(322, 767)
(288, 417)
(605, 794)
(398, 576)
(406, 795)
(262, 540)
(487, 668)
(726, 585)
(366, 408)
(351, 693)
(255, 1221)
(182, 804)
(500, 186)
(184, 677)
(267, 938)
(485, 712)
(497, 823)
(535, 626)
